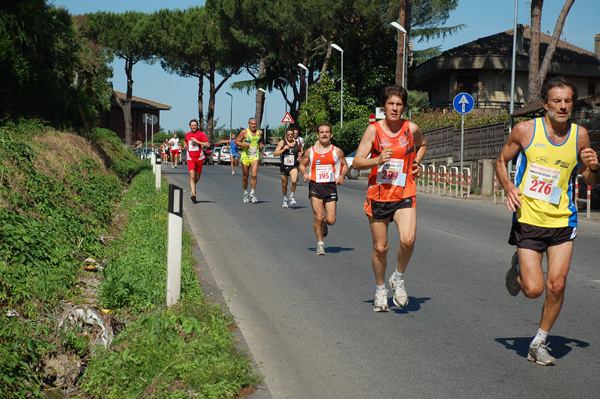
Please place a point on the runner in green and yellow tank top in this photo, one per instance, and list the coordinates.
(250, 142)
(251, 153)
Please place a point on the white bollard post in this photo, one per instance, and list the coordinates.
(175, 233)
(157, 176)
(153, 161)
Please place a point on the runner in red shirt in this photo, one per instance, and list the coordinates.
(194, 141)
(397, 147)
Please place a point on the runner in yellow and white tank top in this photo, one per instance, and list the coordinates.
(551, 150)
(250, 141)
(544, 172)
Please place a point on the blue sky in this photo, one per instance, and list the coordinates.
(483, 17)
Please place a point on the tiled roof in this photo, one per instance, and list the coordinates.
(143, 101)
(501, 45)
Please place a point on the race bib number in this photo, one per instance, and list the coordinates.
(324, 173)
(252, 151)
(288, 160)
(542, 184)
(391, 173)
(194, 146)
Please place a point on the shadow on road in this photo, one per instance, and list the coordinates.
(332, 250)
(414, 304)
(560, 346)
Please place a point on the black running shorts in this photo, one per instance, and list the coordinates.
(537, 238)
(325, 191)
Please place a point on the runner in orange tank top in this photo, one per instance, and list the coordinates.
(325, 167)
(396, 147)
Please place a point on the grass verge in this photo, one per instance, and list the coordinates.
(65, 198)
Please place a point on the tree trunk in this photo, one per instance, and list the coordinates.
(210, 117)
(534, 49)
(200, 103)
(258, 112)
(554, 42)
(126, 105)
(404, 20)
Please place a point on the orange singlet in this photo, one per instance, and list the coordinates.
(324, 167)
(393, 181)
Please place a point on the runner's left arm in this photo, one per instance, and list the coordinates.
(588, 157)
(344, 167)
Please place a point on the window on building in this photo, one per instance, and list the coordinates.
(591, 87)
(467, 84)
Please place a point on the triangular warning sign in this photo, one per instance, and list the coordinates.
(287, 118)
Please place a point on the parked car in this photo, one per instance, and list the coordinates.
(215, 155)
(224, 155)
(352, 173)
(267, 156)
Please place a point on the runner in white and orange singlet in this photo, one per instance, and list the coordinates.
(396, 147)
(325, 167)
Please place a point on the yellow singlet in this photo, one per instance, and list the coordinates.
(544, 175)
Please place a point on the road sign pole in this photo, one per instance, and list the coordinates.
(462, 141)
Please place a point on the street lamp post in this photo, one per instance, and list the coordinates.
(306, 101)
(338, 48)
(512, 80)
(401, 29)
(265, 112)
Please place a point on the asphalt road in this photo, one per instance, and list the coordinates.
(309, 323)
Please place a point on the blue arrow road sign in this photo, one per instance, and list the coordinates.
(463, 103)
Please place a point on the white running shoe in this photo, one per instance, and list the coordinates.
(538, 352)
(400, 296)
(381, 302)
(246, 198)
(292, 200)
(320, 249)
(253, 198)
(285, 203)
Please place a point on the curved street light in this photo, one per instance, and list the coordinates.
(401, 29)
(338, 48)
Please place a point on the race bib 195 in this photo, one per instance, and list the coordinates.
(324, 173)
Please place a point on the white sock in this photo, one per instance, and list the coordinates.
(320, 243)
(540, 336)
(292, 195)
(284, 198)
(398, 276)
(252, 192)
(245, 192)
(381, 288)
